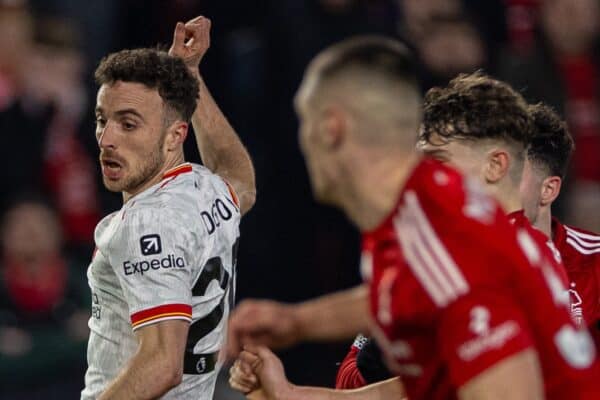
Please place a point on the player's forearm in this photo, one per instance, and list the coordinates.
(221, 149)
(390, 389)
(333, 317)
(147, 376)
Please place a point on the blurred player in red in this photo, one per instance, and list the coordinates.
(549, 150)
(463, 304)
(476, 145)
(548, 158)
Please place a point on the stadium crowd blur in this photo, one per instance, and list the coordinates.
(291, 248)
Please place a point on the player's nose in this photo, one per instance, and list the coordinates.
(106, 136)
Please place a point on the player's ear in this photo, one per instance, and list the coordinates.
(550, 190)
(176, 134)
(497, 165)
(333, 126)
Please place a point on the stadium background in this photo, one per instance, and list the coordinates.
(291, 248)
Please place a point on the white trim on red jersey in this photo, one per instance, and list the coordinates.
(427, 257)
(584, 243)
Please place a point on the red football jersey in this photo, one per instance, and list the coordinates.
(580, 252)
(455, 289)
(348, 375)
(520, 221)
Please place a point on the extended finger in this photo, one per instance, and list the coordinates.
(178, 37)
(198, 18)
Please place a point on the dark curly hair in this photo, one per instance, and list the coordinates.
(551, 145)
(155, 69)
(476, 106)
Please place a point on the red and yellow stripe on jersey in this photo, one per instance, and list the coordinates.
(180, 169)
(161, 313)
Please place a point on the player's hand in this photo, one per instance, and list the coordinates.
(267, 367)
(241, 374)
(261, 322)
(191, 41)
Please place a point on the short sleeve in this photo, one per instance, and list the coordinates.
(478, 331)
(152, 258)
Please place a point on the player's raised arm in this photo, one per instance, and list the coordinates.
(281, 325)
(220, 147)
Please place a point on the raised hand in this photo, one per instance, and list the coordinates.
(191, 41)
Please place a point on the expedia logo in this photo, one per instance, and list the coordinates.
(140, 267)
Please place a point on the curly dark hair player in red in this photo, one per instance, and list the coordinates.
(548, 157)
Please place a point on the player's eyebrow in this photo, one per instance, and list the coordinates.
(126, 111)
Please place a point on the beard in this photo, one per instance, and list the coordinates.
(147, 168)
(150, 165)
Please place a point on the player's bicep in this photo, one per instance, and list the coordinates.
(167, 339)
(480, 330)
(517, 377)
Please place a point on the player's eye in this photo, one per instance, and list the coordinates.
(128, 126)
(100, 122)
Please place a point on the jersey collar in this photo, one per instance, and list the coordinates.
(559, 233)
(516, 217)
(180, 169)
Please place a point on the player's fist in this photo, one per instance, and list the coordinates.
(191, 41)
(262, 322)
(268, 370)
(241, 374)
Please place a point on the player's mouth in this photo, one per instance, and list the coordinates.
(111, 168)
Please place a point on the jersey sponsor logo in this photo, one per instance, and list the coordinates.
(492, 339)
(150, 245)
(141, 267)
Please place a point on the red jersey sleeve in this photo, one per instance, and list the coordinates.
(464, 250)
(348, 376)
(478, 331)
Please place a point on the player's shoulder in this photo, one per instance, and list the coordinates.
(576, 243)
(444, 192)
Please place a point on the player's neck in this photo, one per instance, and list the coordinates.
(508, 197)
(156, 178)
(543, 222)
(375, 187)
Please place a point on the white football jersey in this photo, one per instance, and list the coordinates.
(169, 253)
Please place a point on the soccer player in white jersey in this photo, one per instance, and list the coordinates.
(162, 275)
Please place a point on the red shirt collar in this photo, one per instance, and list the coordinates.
(559, 233)
(516, 216)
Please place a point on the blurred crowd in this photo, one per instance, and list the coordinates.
(291, 248)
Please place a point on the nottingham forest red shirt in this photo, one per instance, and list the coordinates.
(455, 289)
(580, 252)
